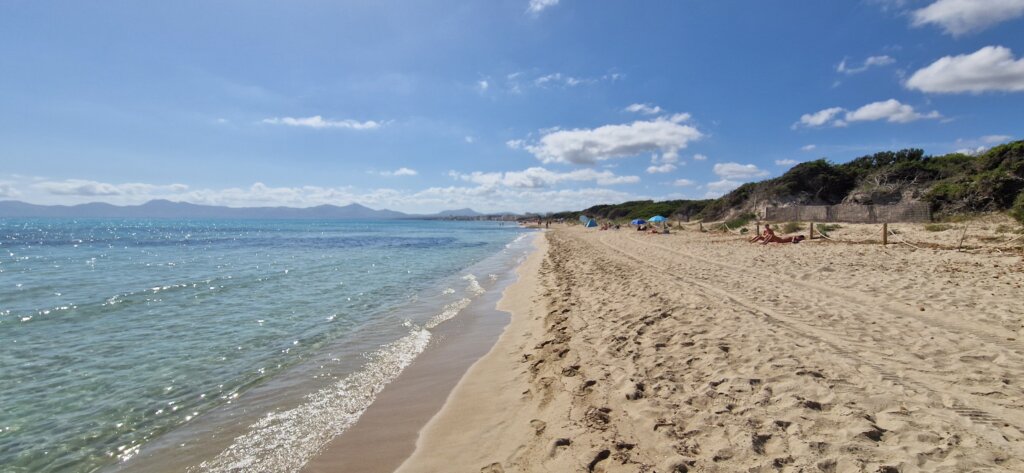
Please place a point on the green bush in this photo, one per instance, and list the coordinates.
(740, 220)
(1017, 211)
(827, 227)
(937, 227)
(791, 227)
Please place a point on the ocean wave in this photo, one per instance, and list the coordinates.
(474, 286)
(286, 440)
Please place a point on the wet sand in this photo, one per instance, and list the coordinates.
(385, 435)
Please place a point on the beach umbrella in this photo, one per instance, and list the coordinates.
(658, 218)
(638, 221)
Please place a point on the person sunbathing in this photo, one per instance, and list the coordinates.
(766, 235)
(790, 239)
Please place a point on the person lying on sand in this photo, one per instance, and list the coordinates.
(778, 239)
(766, 235)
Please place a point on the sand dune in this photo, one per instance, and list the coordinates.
(690, 352)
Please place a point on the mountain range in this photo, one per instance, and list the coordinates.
(168, 209)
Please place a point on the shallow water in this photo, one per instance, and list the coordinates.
(263, 336)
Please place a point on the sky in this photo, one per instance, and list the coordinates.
(497, 105)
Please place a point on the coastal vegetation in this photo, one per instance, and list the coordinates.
(953, 184)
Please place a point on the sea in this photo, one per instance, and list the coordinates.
(227, 345)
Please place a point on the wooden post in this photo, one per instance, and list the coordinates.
(757, 227)
(811, 233)
(885, 234)
(962, 235)
(701, 226)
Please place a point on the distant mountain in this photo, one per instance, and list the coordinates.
(458, 213)
(168, 209)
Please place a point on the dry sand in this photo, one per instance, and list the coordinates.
(692, 352)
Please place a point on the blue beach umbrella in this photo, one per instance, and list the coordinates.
(638, 221)
(658, 218)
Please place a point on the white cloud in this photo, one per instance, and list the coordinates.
(870, 62)
(958, 17)
(683, 183)
(81, 187)
(889, 110)
(485, 198)
(483, 85)
(644, 108)
(992, 68)
(718, 188)
(818, 118)
(403, 171)
(588, 146)
(537, 177)
(972, 151)
(558, 78)
(469, 139)
(661, 169)
(318, 122)
(537, 6)
(785, 162)
(7, 190)
(994, 139)
(519, 82)
(700, 157)
(733, 171)
(808, 147)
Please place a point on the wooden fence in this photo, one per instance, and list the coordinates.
(851, 213)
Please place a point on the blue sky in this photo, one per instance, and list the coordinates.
(520, 105)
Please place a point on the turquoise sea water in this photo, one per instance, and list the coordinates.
(117, 333)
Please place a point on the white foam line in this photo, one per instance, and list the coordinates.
(284, 441)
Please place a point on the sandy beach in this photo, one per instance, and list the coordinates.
(701, 352)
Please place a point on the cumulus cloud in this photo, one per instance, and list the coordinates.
(403, 171)
(735, 171)
(785, 162)
(684, 183)
(537, 177)
(818, 118)
(889, 110)
(700, 157)
(661, 168)
(870, 62)
(319, 122)
(644, 108)
(718, 188)
(666, 135)
(537, 6)
(959, 17)
(992, 68)
(808, 147)
(81, 187)
(482, 85)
